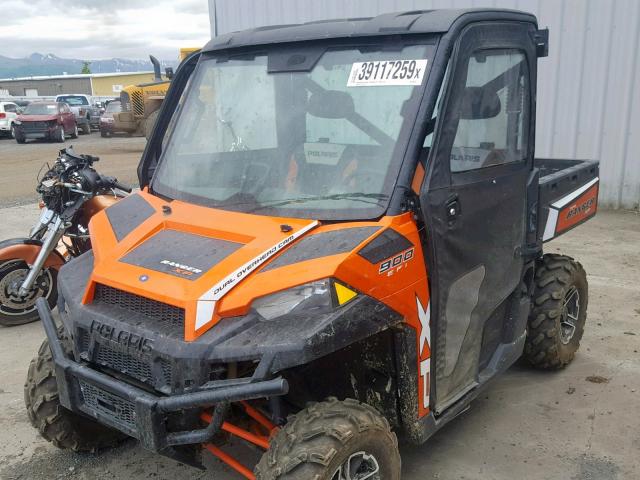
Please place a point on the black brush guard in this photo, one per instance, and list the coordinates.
(137, 412)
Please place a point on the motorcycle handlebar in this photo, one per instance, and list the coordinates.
(123, 187)
(113, 182)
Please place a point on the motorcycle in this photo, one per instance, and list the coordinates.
(71, 192)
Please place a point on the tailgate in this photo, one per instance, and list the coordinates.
(568, 195)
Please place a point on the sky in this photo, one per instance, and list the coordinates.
(97, 29)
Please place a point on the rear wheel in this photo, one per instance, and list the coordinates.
(62, 427)
(333, 440)
(558, 313)
(16, 309)
(13, 131)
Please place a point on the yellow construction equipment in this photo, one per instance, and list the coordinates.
(141, 103)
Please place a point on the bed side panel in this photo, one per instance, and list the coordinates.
(568, 195)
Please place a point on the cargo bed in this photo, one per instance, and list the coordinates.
(568, 194)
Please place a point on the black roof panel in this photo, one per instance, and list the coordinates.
(411, 22)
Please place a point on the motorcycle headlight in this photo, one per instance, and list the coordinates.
(314, 298)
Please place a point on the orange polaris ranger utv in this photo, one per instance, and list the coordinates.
(339, 236)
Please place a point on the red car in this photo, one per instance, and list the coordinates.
(48, 120)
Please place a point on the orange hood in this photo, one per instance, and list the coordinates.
(184, 255)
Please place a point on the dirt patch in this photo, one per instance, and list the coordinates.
(597, 379)
(119, 157)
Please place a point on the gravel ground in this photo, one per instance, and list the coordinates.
(581, 423)
(20, 164)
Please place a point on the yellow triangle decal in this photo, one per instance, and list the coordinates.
(343, 293)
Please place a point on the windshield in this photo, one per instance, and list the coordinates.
(113, 107)
(323, 143)
(41, 109)
(73, 100)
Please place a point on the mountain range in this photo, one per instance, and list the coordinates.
(38, 64)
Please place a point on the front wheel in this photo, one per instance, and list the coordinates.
(149, 123)
(558, 312)
(86, 128)
(16, 309)
(62, 427)
(59, 136)
(75, 131)
(333, 440)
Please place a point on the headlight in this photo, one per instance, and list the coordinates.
(315, 298)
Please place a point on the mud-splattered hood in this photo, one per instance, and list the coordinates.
(194, 257)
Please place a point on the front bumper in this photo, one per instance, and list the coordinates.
(36, 130)
(38, 135)
(136, 412)
(106, 127)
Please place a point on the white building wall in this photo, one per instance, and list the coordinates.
(588, 87)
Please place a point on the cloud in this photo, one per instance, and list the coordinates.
(103, 28)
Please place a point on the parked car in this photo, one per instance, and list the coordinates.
(106, 119)
(22, 104)
(8, 114)
(47, 120)
(87, 115)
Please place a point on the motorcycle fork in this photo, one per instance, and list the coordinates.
(50, 242)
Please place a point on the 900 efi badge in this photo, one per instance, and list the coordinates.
(393, 264)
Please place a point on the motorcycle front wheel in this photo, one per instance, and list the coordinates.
(16, 309)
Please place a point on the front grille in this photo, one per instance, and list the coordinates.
(118, 409)
(34, 127)
(84, 341)
(128, 364)
(124, 363)
(165, 317)
(137, 103)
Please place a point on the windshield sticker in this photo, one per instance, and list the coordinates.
(387, 72)
(323, 153)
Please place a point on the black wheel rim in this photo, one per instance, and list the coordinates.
(12, 274)
(570, 313)
(359, 466)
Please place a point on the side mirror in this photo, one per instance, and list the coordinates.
(168, 72)
(479, 103)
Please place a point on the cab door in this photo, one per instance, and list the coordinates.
(68, 118)
(474, 201)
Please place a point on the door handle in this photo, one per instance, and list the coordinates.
(453, 209)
